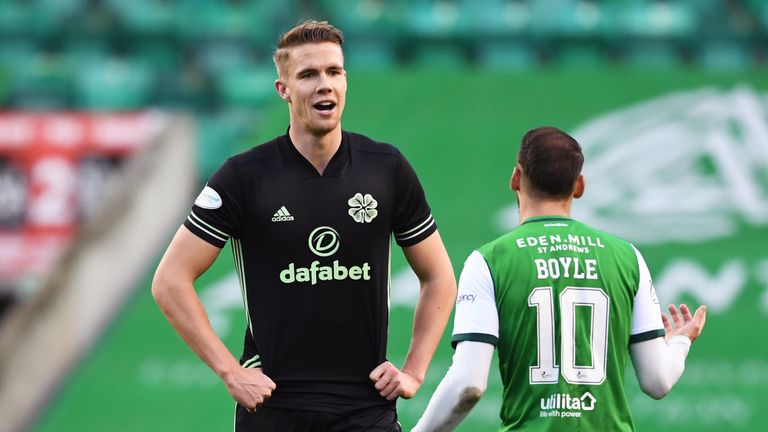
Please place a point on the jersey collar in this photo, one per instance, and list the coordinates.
(335, 166)
(546, 218)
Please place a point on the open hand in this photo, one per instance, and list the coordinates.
(393, 383)
(683, 323)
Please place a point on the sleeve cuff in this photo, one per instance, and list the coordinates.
(417, 233)
(205, 231)
(644, 336)
(475, 337)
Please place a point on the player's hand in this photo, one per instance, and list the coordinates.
(683, 323)
(393, 383)
(249, 387)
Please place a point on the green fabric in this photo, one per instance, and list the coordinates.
(529, 261)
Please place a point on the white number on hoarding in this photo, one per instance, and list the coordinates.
(52, 203)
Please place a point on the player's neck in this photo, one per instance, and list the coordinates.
(533, 208)
(318, 150)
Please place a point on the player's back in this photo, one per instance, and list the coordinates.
(565, 293)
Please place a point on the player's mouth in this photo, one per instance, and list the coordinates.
(325, 107)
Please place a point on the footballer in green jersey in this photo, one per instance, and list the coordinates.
(572, 299)
(564, 304)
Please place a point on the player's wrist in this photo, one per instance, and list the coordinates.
(228, 377)
(419, 378)
(415, 366)
(682, 340)
(228, 372)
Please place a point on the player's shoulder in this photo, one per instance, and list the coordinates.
(613, 246)
(607, 237)
(511, 236)
(262, 152)
(499, 245)
(364, 144)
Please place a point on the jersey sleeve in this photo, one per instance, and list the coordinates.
(476, 318)
(646, 316)
(215, 216)
(413, 221)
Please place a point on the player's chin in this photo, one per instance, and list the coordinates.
(324, 127)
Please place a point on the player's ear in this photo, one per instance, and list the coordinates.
(578, 188)
(514, 182)
(282, 90)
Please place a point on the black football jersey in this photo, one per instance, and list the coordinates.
(312, 253)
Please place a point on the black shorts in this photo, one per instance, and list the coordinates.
(284, 420)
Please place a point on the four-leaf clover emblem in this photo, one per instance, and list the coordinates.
(362, 208)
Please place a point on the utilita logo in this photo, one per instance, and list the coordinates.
(565, 405)
(324, 241)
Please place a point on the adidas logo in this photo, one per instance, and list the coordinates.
(282, 215)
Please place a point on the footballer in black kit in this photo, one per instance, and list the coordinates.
(312, 254)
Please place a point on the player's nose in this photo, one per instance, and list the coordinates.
(324, 84)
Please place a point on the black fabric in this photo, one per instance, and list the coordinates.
(473, 337)
(644, 336)
(313, 251)
(284, 420)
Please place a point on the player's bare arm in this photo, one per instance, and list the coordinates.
(431, 264)
(186, 258)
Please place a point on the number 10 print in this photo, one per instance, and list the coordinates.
(546, 370)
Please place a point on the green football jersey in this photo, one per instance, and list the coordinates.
(562, 301)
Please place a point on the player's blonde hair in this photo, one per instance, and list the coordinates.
(309, 31)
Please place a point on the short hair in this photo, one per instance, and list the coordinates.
(309, 31)
(551, 160)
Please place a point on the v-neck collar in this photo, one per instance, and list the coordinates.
(306, 169)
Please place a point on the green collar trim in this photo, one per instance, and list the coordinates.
(546, 219)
